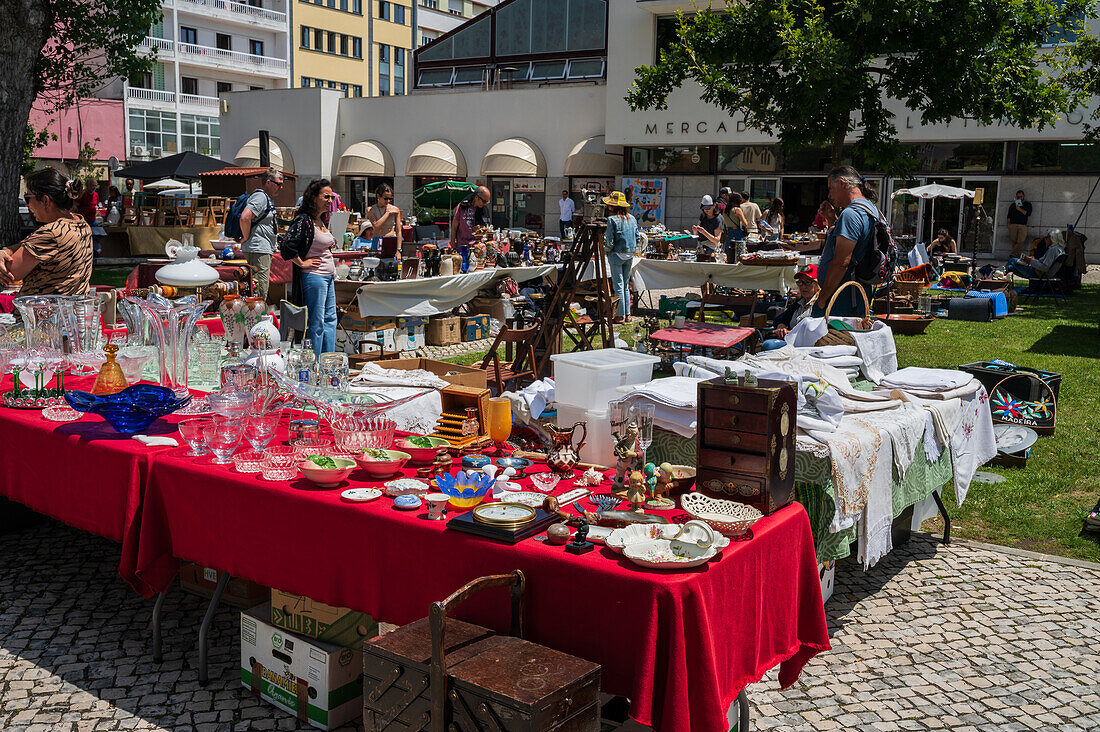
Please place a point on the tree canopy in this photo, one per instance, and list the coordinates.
(814, 72)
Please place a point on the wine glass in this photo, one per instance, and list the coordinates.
(260, 428)
(500, 422)
(225, 437)
(197, 434)
(643, 413)
(616, 413)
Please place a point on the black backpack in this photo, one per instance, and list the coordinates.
(879, 262)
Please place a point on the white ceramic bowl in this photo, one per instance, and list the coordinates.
(658, 554)
(728, 518)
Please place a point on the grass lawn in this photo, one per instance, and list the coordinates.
(1039, 508)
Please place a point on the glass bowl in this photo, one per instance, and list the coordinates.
(233, 404)
(544, 482)
(131, 410)
(249, 461)
(466, 489)
(311, 446)
(280, 463)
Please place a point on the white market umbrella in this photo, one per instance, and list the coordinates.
(934, 191)
(166, 183)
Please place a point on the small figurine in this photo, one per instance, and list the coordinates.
(635, 494)
(441, 465)
(658, 496)
(580, 543)
(626, 454)
(751, 380)
(730, 377)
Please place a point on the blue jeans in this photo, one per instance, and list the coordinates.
(320, 297)
(1024, 270)
(620, 280)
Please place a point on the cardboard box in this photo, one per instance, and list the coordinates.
(318, 682)
(498, 308)
(354, 341)
(352, 320)
(338, 625)
(202, 581)
(475, 327)
(411, 333)
(450, 372)
(760, 320)
(444, 331)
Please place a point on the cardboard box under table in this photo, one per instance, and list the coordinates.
(202, 581)
(475, 327)
(318, 682)
(444, 331)
(337, 625)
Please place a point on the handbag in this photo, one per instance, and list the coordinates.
(840, 331)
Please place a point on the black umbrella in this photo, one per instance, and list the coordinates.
(183, 166)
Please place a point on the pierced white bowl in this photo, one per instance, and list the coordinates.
(728, 518)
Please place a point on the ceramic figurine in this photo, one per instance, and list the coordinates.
(626, 455)
(636, 492)
(659, 482)
(501, 480)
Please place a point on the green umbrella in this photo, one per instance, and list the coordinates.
(443, 194)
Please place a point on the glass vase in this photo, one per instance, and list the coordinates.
(172, 325)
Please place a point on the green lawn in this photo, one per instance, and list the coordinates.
(1040, 507)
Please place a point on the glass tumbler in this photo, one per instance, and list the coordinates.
(333, 370)
(226, 436)
(197, 434)
(260, 428)
(209, 356)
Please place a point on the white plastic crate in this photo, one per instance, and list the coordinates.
(597, 448)
(589, 379)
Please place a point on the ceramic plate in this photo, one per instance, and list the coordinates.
(401, 486)
(599, 534)
(361, 495)
(1014, 437)
(527, 498)
(658, 554)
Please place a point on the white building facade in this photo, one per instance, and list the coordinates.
(203, 48)
(528, 99)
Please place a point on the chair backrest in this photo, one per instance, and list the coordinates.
(1056, 265)
(728, 304)
(292, 320)
(513, 340)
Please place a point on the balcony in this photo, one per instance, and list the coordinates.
(151, 95)
(235, 12)
(189, 53)
(199, 104)
(162, 48)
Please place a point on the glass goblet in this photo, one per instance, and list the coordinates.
(197, 434)
(260, 428)
(499, 415)
(226, 436)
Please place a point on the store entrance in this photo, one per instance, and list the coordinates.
(501, 189)
(801, 198)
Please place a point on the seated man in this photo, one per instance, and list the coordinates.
(808, 288)
(1046, 251)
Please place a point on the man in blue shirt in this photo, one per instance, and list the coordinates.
(846, 244)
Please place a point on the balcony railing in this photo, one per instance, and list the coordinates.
(195, 100)
(149, 43)
(244, 11)
(151, 95)
(266, 63)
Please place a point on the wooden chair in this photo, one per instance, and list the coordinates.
(733, 306)
(187, 211)
(218, 207)
(519, 358)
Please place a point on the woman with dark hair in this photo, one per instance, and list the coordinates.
(308, 246)
(385, 217)
(942, 244)
(56, 259)
(775, 218)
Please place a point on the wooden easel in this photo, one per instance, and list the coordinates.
(593, 295)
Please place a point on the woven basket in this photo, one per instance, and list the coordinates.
(837, 337)
(909, 289)
(728, 518)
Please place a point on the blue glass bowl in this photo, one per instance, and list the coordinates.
(131, 410)
(466, 489)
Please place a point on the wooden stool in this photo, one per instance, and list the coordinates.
(444, 674)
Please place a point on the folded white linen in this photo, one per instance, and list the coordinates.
(925, 379)
(877, 349)
(373, 374)
(677, 391)
(962, 392)
(855, 406)
(905, 428)
(537, 395)
(156, 440)
(840, 362)
(828, 351)
(418, 415)
(944, 413)
(689, 369)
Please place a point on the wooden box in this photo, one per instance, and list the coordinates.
(456, 399)
(745, 442)
(496, 682)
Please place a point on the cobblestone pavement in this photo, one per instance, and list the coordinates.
(934, 637)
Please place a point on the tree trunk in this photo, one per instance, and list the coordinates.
(24, 29)
(837, 148)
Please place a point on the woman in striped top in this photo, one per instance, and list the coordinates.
(56, 259)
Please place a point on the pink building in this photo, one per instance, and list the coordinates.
(80, 123)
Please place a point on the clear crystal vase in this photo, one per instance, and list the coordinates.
(172, 324)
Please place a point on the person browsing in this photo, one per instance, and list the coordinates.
(258, 229)
(798, 309)
(709, 228)
(1019, 211)
(385, 217)
(620, 243)
(847, 243)
(752, 214)
(308, 246)
(56, 258)
(566, 209)
(471, 212)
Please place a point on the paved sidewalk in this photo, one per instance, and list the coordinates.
(934, 637)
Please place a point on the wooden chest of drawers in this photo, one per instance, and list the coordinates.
(745, 441)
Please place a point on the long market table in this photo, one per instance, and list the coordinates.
(680, 645)
(662, 274)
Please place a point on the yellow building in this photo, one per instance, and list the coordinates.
(393, 34)
(331, 47)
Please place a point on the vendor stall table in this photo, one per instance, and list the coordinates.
(658, 274)
(680, 645)
(144, 275)
(432, 295)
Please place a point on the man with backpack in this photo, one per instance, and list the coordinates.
(257, 229)
(850, 245)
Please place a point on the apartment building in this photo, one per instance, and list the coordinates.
(364, 47)
(203, 48)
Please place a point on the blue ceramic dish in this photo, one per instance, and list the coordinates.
(475, 462)
(517, 464)
(131, 410)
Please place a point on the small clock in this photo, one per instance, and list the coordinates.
(505, 515)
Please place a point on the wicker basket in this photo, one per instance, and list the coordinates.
(909, 289)
(837, 337)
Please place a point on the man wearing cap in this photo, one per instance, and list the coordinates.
(808, 290)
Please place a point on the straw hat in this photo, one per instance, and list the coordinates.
(616, 199)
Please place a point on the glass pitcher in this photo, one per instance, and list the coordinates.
(172, 324)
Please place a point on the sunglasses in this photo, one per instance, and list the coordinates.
(326, 196)
(483, 200)
(387, 198)
(28, 197)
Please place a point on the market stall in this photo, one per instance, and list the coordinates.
(660, 274)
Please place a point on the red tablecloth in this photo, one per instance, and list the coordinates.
(708, 335)
(82, 473)
(681, 645)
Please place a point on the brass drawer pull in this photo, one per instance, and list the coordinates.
(733, 420)
(734, 400)
(735, 439)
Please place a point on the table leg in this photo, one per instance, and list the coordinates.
(158, 605)
(205, 627)
(946, 518)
